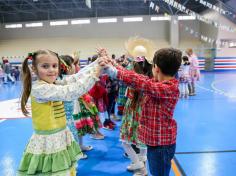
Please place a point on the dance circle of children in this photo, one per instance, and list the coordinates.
(67, 103)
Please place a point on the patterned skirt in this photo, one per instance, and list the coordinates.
(87, 121)
(50, 154)
(129, 126)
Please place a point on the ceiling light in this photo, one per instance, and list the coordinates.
(80, 21)
(160, 18)
(107, 20)
(186, 18)
(13, 26)
(58, 23)
(133, 19)
(34, 24)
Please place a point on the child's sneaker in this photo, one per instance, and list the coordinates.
(108, 127)
(84, 156)
(96, 136)
(108, 124)
(111, 122)
(86, 148)
(142, 158)
(134, 166)
(126, 155)
(141, 172)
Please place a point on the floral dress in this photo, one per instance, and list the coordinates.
(130, 121)
(69, 106)
(86, 116)
(52, 149)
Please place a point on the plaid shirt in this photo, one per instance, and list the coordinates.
(157, 126)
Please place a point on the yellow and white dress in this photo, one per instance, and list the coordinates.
(52, 150)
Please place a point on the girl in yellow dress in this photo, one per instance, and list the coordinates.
(52, 149)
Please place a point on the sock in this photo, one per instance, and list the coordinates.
(143, 154)
(130, 151)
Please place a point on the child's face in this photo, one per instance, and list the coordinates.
(47, 68)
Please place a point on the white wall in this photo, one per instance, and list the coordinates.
(67, 39)
(187, 40)
(226, 52)
(21, 47)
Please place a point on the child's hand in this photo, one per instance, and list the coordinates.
(111, 71)
(103, 61)
(101, 52)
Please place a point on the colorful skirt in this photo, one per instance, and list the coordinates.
(129, 126)
(87, 121)
(50, 154)
(121, 100)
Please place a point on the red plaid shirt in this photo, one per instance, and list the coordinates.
(157, 126)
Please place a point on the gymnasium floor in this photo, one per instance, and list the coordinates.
(206, 145)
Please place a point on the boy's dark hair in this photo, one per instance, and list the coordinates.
(185, 58)
(168, 60)
(113, 56)
(186, 61)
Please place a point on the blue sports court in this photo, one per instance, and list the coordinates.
(205, 143)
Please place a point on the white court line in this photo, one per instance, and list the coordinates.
(10, 109)
(216, 90)
(2, 120)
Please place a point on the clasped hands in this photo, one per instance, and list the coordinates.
(105, 62)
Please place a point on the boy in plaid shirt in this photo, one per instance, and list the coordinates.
(157, 128)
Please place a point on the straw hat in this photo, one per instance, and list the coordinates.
(137, 46)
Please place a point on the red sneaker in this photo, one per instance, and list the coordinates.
(108, 127)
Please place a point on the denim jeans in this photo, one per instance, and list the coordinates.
(159, 159)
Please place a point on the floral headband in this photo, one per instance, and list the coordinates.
(139, 59)
(63, 65)
(30, 56)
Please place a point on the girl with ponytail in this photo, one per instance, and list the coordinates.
(52, 149)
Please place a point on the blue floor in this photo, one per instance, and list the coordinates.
(206, 140)
(206, 145)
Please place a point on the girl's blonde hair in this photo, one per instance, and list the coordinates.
(26, 76)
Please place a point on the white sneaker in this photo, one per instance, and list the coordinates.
(141, 172)
(135, 166)
(84, 156)
(142, 158)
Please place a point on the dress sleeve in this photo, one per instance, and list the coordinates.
(73, 88)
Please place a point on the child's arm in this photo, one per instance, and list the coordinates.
(44, 92)
(82, 73)
(145, 84)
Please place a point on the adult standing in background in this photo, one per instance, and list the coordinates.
(7, 71)
(194, 71)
